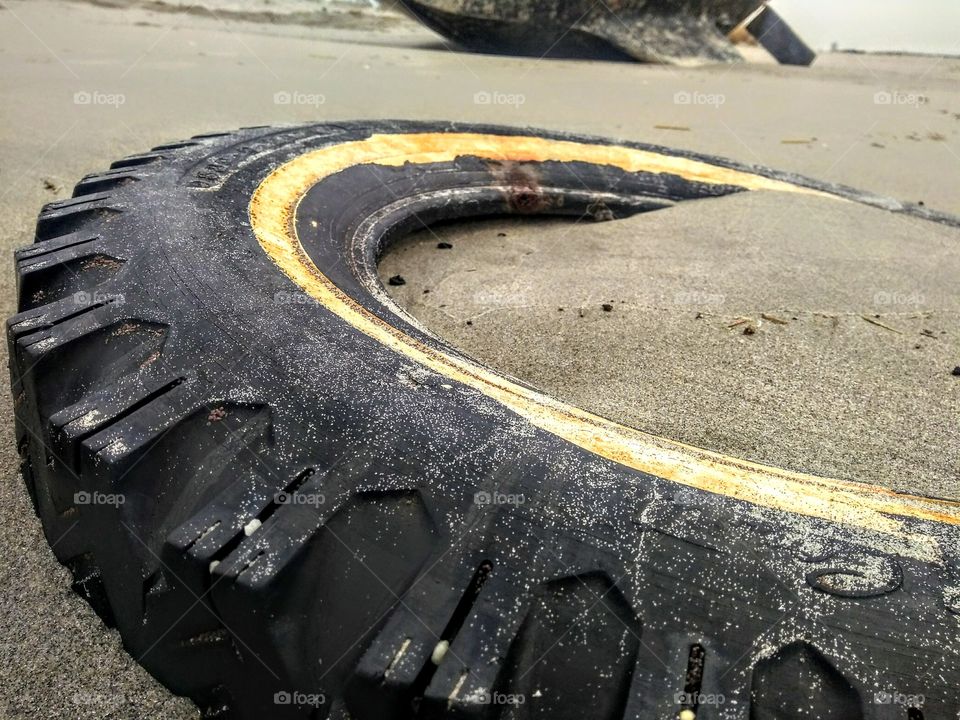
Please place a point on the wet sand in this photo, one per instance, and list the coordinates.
(768, 328)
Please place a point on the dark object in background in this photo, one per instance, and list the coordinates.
(682, 32)
(779, 39)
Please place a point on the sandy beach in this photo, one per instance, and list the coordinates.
(853, 312)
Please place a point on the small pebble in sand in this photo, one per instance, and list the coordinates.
(501, 234)
(397, 280)
(444, 246)
(749, 330)
(956, 371)
(607, 307)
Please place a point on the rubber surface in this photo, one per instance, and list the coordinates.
(294, 501)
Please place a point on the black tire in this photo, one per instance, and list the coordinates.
(293, 500)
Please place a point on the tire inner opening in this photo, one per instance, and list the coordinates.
(798, 332)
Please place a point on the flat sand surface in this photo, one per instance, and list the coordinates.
(766, 327)
(827, 392)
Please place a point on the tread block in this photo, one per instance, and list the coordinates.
(175, 145)
(798, 682)
(53, 244)
(196, 547)
(136, 160)
(211, 135)
(71, 359)
(397, 668)
(580, 642)
(71, 215)
(471, 672)
(74, 202)
(104, 407)
(375, 544)
(43, 319)
(73, 272)
(155, 452)
(105, 181)
(165, 460)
